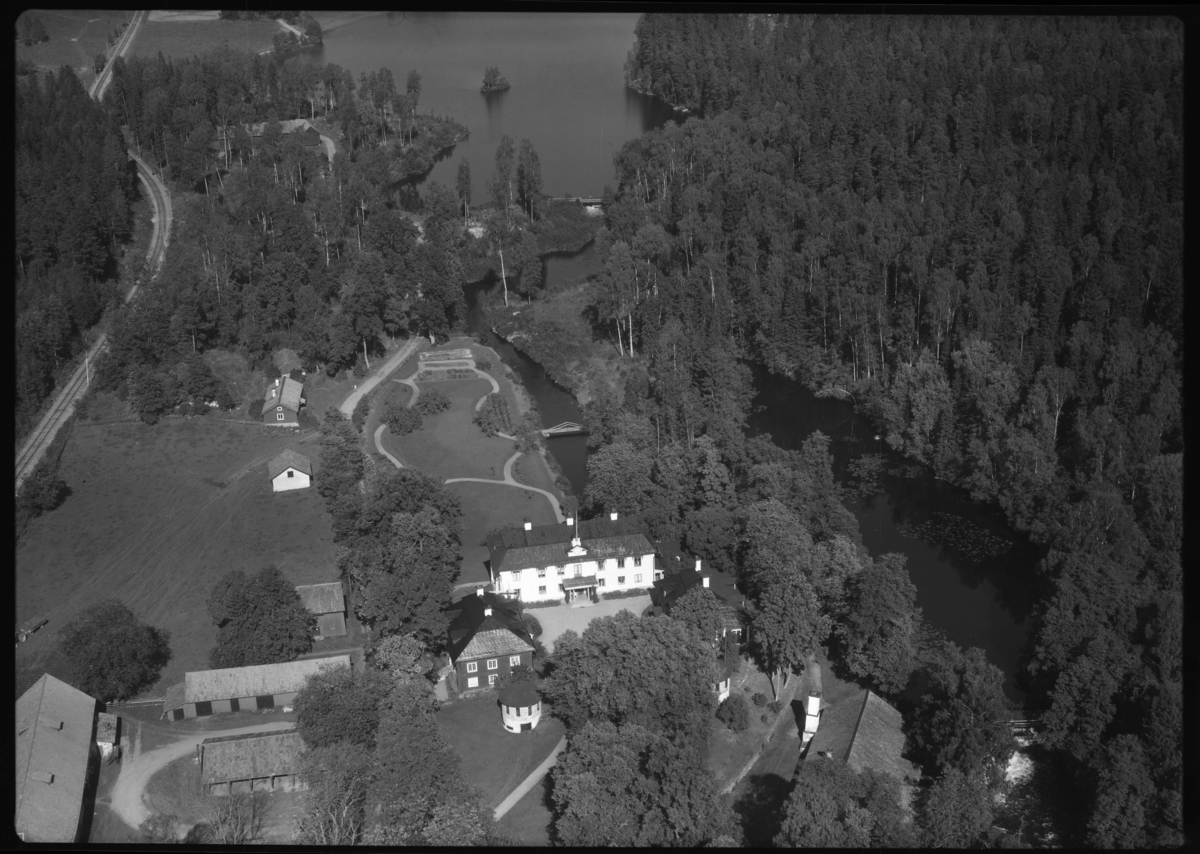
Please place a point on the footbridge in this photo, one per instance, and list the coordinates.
(567, 428)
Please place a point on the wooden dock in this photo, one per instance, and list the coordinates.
(567, 428)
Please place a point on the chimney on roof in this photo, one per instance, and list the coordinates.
(612, 516)
(704, 581)
(487, 612)
(528, 524)
(276, 382)
(570, 519)
(478, 591)
(698, 567)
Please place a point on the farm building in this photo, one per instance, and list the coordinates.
(678, 580)
(300, 129)
(864, 731)
(235, 689)
(329, 604)
(108, 733)
(290, 470)
(487, 638)
(56, 762)
(520, 707)
(254, 762)
(282, 402)
(544, 562)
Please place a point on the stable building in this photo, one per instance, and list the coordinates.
(254, 762)
(57, 762)
(488, 639)
(520, 706)
(328, 603)
(238, 689)
(290, 470)
(282, 402)
(545, 562)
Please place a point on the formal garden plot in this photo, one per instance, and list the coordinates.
(156, 516)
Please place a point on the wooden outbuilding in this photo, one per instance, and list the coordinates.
(488, 639)
(328, 602)
(239, 689)
(56, 761)
(253, 762)
(290, 470)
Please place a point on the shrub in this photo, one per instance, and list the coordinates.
(361, 410)
(432, 402)
(622, 594)
(360, 368)
(483, 364)
(760, 699)
(493, 416)
(535, 628)
(775, 706)
(764, 719)
(402, 420)
(734, 713)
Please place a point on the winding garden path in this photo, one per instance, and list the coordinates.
(509, 480)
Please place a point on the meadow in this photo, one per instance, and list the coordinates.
(180, 36)
(76, 36)
(155, 516)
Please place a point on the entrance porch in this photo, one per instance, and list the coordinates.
(580, 590)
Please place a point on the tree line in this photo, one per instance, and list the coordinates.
(971, 227)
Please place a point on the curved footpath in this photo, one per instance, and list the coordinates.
(127, 794)
(396, 360)
(509, 480)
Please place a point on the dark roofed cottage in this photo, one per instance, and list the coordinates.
(488, 639)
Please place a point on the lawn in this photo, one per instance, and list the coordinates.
(181, 36)
(76, 36)
(493, 759)
(486, 506)
(156, 515)
(449, 444)
(528, 822)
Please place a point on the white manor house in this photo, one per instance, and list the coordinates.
(546, 562)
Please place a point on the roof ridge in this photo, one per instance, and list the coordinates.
(858, 723)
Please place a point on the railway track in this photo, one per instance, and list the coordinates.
(63, 407)
(102, 79)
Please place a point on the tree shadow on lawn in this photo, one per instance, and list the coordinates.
(760, 807)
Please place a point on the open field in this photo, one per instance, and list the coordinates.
(494, 759)
(76, 36)
(181, 36)
(528, 823)
(157, 514)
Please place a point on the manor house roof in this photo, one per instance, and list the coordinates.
(547, 545)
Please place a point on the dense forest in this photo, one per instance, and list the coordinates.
(972, 229)
(74, 186)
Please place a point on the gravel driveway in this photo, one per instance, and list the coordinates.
(558, 619)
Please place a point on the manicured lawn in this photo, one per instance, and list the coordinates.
(448, 444)
(493, 759)
(76, 36)
(178, 37)
(486, 506)
(559, 618)
(528, 822)
(156, 515)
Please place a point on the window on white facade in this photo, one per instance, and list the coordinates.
(472, 666)
(473, 682)
(578, 569)
(637, 578)
(621, 563)
(620, 579)
(492, 679)
(541, 573)
(291, 473)
(524, 711)
(600, 581)
(637, 561)
(279, 416)
(514, 661)
(492, 664)
(542, 589)
(562, 570)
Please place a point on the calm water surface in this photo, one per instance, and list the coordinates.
(568, 94)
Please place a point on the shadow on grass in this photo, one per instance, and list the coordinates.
(760, 808)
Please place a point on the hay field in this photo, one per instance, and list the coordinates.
(76, 36)
(157, 514)
(181, 36)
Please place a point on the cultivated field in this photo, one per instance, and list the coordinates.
(156, 515)
(182, 35)
(76, 36)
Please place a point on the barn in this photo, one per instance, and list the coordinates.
(282, 402)
(290, 470)
(329, 604)
(236, 689)
(253, 762)
(56, 759)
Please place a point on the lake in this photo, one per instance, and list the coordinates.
(568, 95)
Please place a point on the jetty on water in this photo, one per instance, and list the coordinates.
(567, 428)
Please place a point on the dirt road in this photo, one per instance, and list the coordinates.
(137, 769)
(397, 359)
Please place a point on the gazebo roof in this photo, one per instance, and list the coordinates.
(523, 693)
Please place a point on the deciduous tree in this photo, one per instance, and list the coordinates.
(112, 654)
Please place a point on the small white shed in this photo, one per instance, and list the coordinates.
(290, 470)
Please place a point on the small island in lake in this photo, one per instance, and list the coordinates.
(494, 81)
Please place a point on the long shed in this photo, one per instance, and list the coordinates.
(328, 602)
(252, 762)
(236, 689)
